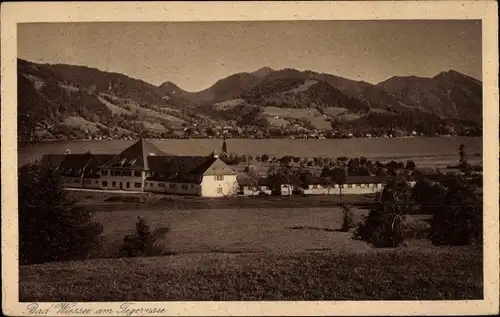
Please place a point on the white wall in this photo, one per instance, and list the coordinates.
(92, 183)
(123, 179)
(155, 187)
(172, 188)
(228, 186)
(255, 190)
(73, 182)
(352, 189)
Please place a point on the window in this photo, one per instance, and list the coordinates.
(192, 186)
(137, 174)
(219, 190)
(104, 172)
(128, 184)
(315, 186)
(104, 183)
(172, 185)
(113, 184)
(219, 178)
(116, 173)
(137, 185)
(161, 184)
(76, 181)
(127, 173)
(184, 186)
(96, 182)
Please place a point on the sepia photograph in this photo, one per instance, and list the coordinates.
(249, 160)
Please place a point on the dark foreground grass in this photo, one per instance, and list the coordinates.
(450, 274)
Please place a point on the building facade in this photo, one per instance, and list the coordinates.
(142, 167)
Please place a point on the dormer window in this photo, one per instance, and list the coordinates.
(132, 163)
(123, 161)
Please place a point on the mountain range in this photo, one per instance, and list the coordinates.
(55, 100)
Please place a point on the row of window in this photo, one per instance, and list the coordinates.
(172, 186)
(127, 184)
(219, 178)
(348, 186)
(120, 173)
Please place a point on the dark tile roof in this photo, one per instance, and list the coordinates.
(135, 156)
(316, 180)
(179, 168)
(73, 165)
(53, 160)
(366, 179)
(97, 161)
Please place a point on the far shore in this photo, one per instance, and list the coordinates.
(237, 138)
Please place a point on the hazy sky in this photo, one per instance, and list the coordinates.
(194, 55)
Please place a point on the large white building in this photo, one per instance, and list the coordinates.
(143, 167)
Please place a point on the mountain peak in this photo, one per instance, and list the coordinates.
(449, 74)
(169, 87)
(262, 72)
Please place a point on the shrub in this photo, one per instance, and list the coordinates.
(347, 218)
(51, 226)
(142, 242)
(384, 225)
(458, 220)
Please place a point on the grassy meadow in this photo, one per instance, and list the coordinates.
(402, 274)
(254, 252)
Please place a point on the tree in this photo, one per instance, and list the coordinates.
(224, 146)
(428, 196)
(281, 175)
(339, 177)
(458, 216)
(353, 166)
(464, 165)
(410, 165)
(347, 218)
(51, 226)
(264, 158)
(285, 160)
(141, 243)
(383, 227)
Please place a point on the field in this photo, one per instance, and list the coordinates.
(386, 275)
(425, 151)
(254, 253)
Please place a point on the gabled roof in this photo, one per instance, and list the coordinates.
(179, 168)
(135, 156)
(73, 165)
(53, 160)
(93, 166)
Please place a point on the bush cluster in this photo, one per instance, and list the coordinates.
(455, 207)
(141, 242)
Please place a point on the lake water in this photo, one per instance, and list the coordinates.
(425, 151)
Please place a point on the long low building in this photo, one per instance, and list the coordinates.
(353, 185)
(143, 167)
